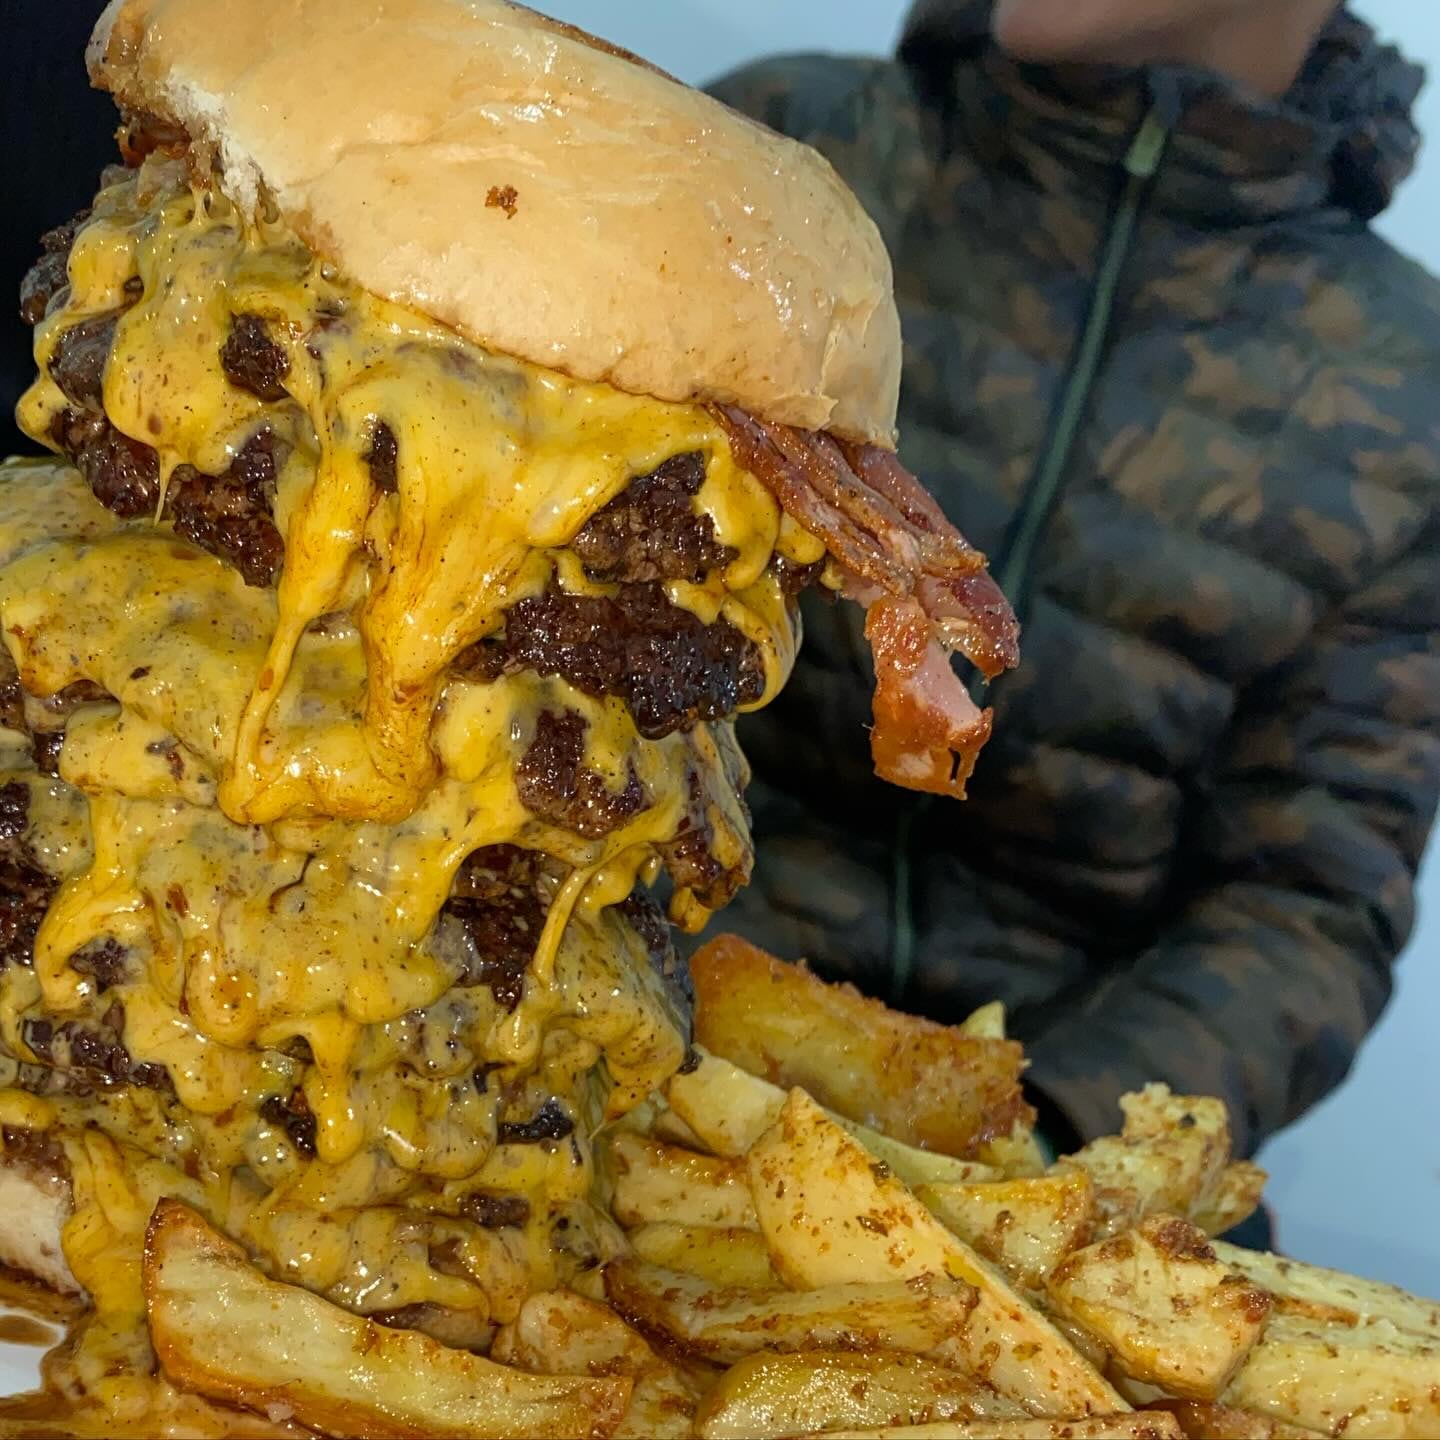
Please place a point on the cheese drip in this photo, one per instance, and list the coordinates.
(266, 817)
(499, 463)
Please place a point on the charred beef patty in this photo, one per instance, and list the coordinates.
(230, 515)
(94, 1052)
(556, 785)
(671, 669)
(25, 889)
(501, 895)
(652, 531)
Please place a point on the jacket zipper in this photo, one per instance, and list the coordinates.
(1012, 569)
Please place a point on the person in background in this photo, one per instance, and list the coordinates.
(1161, 369)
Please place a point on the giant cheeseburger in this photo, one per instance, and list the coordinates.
(447, 410)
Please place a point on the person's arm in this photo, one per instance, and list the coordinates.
(1298, 883)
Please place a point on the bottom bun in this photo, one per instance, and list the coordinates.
(35, 1203)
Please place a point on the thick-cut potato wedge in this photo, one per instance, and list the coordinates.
(1086, 1345)
(223, 1330)
(1235, 1199)
(1202, 1420)
(729, 1110)
(1168, 1159)
(770, 1395)
(1167, 1310)
(723, 1257)
(46, 1415)
(914, 1316)
(1310, 1292)
(833, 1216)
(1016, 1156)
(727, 1107)
(924, 1084)
(670, 1128)
(986, 1023)
(1027, 1227)
(1147, 1425)
(560, 1333)
(1363, 1381)
(655, 1181)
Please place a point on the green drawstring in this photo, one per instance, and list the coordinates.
(1142, 160)
(1012, 568)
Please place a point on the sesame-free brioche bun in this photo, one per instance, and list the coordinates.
(544, 194)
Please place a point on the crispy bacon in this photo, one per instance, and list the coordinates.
(928, 731)
(925, 587)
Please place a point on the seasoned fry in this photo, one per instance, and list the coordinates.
(1203, 1420)
(669, 1127)
(1143, 1426)
(1026, 1227)
(1017, 1156)
(1370, 1380)
(223, 1330)
(921, 1083)
(1168, 1159)
(723, 1257)
(558, 1333)
(770, 1395)
(833, 1216)
(1167, 1310)
(986, 1023)
(1308, 1291)
(655, 1181)
(729, 1110)
(913, 1316)
(1236, 1198)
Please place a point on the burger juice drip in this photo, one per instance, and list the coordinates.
(373, 713)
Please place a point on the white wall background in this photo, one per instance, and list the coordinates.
(1357, 1183)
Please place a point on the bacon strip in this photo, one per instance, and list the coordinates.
(928, 731)
(925, 587)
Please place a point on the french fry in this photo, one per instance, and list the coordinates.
(729, 1109)
(927, 1085)
(1026, 1227)
(986, 1023)
(560, 1333)
(1168, 1159)
(1017, 1156)
(1235, 1199)
(670, 1128)
(654, 1181)
(1203, 1420)
(1168, 1311)
(723, 1257)
(1310, 1292)
(223, 1330)
(913, 1316)
(1361, 1380)
(771, 1395)
(1147, 1425)
(56, 1419)
(833, 1216)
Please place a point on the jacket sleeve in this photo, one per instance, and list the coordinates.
(1300, 876)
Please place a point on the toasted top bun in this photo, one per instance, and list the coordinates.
(545, 194)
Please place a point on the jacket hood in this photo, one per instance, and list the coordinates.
(1343, 135)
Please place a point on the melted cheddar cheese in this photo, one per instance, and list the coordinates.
(268, 813)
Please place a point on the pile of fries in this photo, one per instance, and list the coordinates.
(798, 1262)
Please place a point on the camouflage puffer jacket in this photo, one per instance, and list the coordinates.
(1189, 851)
